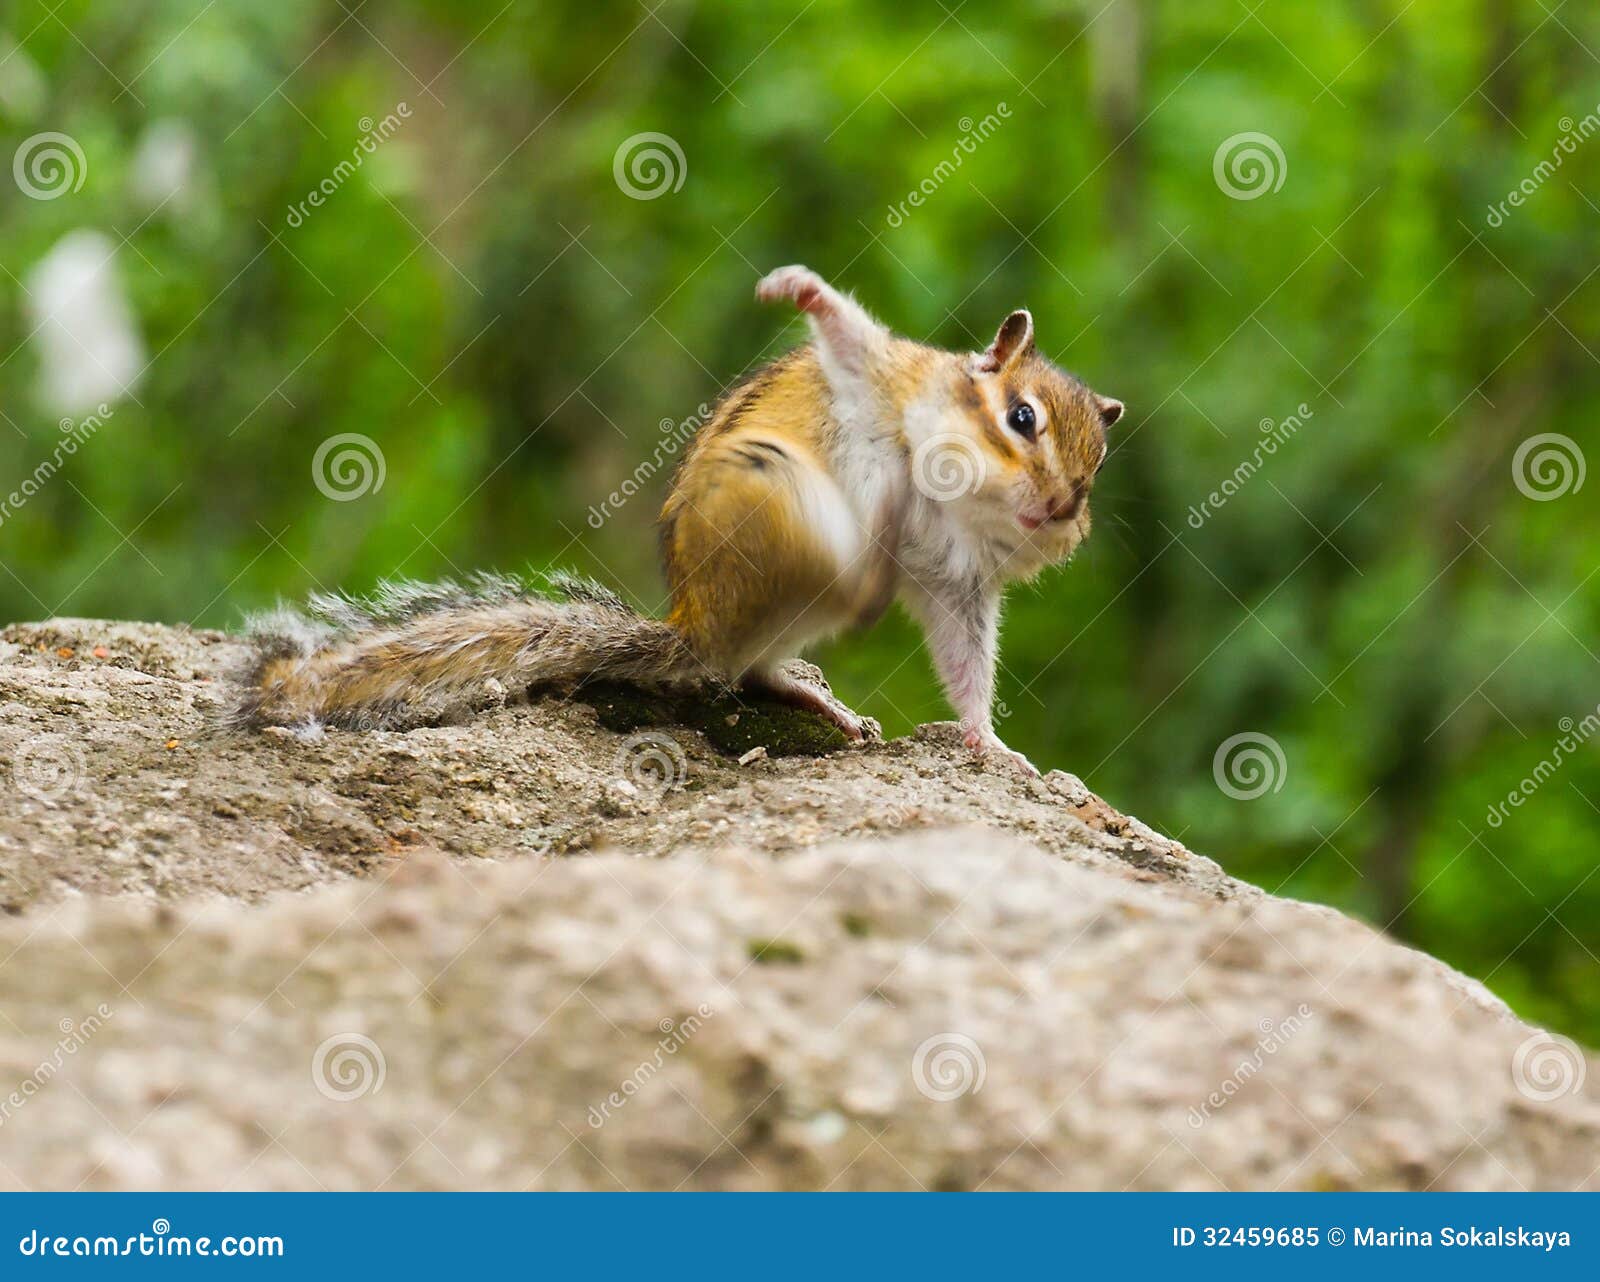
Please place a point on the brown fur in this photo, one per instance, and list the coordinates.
(741, 562)
(372, 672)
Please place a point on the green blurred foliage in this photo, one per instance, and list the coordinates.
(483, 300)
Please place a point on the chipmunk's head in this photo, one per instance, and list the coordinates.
(1041, 439)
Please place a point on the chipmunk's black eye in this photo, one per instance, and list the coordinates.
(1020, 420)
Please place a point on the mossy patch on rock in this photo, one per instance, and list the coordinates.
(774, 952)
(856, 925)
(734, 723)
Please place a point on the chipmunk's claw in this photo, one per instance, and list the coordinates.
(795, 283)
(986, 746)
(800, 693)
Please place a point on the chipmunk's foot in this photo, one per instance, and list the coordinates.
(799, 285)
(802, 694)
(986, 746)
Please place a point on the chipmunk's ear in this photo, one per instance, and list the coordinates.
(1110, 409)
(1014, 340)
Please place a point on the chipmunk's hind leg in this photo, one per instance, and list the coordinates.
(764, 554)
(797, 692)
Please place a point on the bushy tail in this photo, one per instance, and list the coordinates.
(404, 651)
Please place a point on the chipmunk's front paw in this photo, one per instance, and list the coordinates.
(799, 285)
(986, 746)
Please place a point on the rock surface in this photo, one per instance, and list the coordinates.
(525, 951)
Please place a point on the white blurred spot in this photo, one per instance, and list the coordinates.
(164, 166)
(89, 348)
(22, 84)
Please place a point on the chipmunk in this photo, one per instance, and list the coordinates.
(857, 468)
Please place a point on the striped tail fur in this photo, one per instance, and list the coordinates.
(399, 656)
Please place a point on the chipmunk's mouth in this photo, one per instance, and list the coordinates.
(1035, 519)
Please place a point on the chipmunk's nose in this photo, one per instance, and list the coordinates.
(1063, 507)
